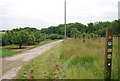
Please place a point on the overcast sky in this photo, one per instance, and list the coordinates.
(45, 13)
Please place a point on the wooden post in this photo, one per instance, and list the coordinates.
(119, 40)
(108, 54)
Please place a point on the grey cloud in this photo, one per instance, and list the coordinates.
(50, 15)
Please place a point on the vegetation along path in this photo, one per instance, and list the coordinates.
(11, 65)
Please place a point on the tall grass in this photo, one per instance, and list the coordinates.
(86, 60)
(46, 66)
(73, 59)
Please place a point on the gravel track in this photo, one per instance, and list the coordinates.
(11, 65)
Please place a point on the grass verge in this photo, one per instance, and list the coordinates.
(46, 66)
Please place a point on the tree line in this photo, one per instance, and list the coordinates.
(31, 36)
(27, 35)
(77, 29)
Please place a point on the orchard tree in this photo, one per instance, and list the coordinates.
(42, 37)
(6, 38)
(31, 38)
(74, 33)
(37, 36)
(21, 37)
(83, 35)
(92, 35)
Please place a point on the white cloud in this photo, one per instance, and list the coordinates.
(45, 13)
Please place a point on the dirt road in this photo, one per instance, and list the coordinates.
(11, 65)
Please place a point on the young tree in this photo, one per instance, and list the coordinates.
(83, 35)
(92, 35)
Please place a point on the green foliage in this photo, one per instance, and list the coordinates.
(84, 34)
(22, 36)
(6, 39)
(76, 29)
(115, 25)
(28, 36)
(56, 32)
(92, 35)
(39, 36)
(60, 37)
(118, 35)
(53, 36)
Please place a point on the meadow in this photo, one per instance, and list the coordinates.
(72, 59)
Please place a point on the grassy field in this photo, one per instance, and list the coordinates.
(72, 59)
(13, 49)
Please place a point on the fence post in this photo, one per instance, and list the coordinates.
(108, 54)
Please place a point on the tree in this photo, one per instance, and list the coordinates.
(6, 38)
(92, 35)
(90, 28)
(21, 37)
(115, 27)
(83, 35)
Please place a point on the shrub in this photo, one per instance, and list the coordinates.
(60, 37)
(53, 36)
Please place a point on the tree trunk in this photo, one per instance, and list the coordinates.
(75, 37)
(20, 46)
(83, 39)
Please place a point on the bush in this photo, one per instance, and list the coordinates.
(53, 36)
(60, 37)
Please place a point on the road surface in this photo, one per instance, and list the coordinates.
(11, 65)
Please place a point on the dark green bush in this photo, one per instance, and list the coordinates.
(60, 37)
(53, 36)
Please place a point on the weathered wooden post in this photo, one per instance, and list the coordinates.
(108, 54)
(119, 58)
